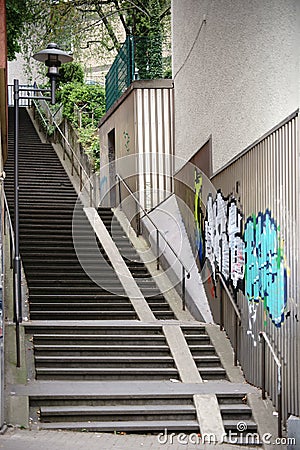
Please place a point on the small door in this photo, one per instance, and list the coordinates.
(112, 166)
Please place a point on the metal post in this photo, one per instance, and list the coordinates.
(157, 249)
(17, 259)
(80, 177)
(137, 215)
(221, 307)
(183, 288)
(263, 369)
(236, 340)
(120, 193)
(91, 194)
(53, 82)
(72, 161)
(279, 401)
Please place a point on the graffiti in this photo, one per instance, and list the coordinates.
(127, 140)
(198, 215)
(211, 287)
(253, 307)
(253, 262)
(224, 246)
(103, 181)
(265, 269)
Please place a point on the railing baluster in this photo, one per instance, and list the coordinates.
(157, 250)
(183, 288)
(265, 340)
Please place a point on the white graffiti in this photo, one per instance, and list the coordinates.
(224, 247)
(253, 307)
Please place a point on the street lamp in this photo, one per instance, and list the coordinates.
(53, 57)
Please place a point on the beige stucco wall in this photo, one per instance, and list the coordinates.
(237, 77)
(143, 122)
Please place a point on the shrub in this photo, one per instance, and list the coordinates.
(71, 72)
(92, 97)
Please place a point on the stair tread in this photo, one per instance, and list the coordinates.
(151, 337)
(126, 425)
(109, 370)
(116, 409)
(105, 358)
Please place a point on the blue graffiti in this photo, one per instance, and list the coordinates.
(265, 270)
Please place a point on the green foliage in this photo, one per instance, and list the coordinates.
(89, 138)
(90, 101)
(91, 98)
(19, 13)
(71, 72)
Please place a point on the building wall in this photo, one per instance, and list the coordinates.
(142, 120)
(235, 70)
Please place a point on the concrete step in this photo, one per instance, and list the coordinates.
(144, 339)
(83, 315)
(120, 373)
(119, 413)
(108, 361)
(103, 307)
(136, 426)
(102, 350)
(235, 411)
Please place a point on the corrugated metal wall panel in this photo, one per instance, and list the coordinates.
(268, 179)
(155, 144)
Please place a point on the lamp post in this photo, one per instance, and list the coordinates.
(53, 57)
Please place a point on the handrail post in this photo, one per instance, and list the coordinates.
(120, 193)
(279, 401)
(72, 161)
(183, 288)
(263, 368)
(221, 306)
(137, 215)
(80, 177)
(91, 194)
(157, 249)
(236, 339)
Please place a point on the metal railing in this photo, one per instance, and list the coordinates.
(25, 101)
(237, 315)
(265, 341)
(81, 172)
(17, 308)
(159, 234)
(140, 57)
(121, 73)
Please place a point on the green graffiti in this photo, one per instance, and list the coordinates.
(127, 140)
(265, 268)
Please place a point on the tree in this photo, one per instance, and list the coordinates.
(71, 72)
(19, 13)
(90, 28)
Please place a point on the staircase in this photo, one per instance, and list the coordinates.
(59, 289)
(155, 299)
(94, 365)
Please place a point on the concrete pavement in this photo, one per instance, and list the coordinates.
(18, 439)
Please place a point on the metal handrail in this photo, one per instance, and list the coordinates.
(41, 115)
(17, 319)
(82, 170)
(265, 340)
(185, 271)
(238, 319)
(11, 228)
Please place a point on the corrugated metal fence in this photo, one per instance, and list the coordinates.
(264, 181)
